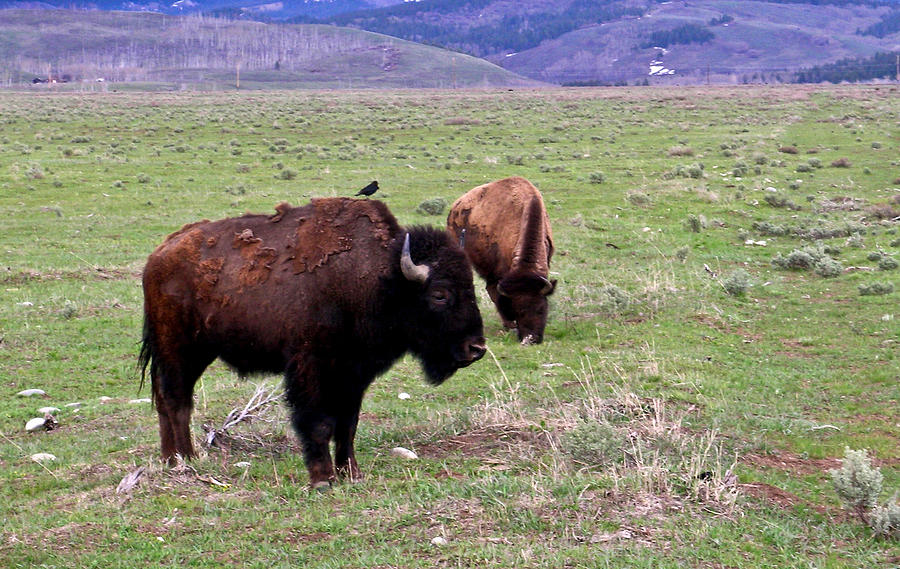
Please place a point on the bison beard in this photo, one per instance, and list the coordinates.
(330, 294)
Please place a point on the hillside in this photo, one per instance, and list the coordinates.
(615, 41)
(83, 46)
(759, 42)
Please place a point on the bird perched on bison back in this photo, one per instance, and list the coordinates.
(368, 190)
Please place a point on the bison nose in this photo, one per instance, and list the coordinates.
(476, 349)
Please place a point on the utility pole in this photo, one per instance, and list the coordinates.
(898, 68)
(237, 75)
(707, 74)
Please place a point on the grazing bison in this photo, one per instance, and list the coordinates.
(330, 294)
(505, 232)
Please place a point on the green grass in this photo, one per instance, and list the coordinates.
(707, 396)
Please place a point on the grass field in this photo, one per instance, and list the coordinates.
(715, 342)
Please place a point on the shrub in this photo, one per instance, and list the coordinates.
(778, 201)
(856, 241)
(795, 260)
(433, 206)
(828, 267)
(759, 158)
(613, 300)
(639, 199)
(681, 151)
(804, 168)
(887, 263)
(814, 162)
(841, 163)
(695, 223)
(737, 283)
(859, 485)
(885, 520)
(286, 174)
(856, 482)
(597, 177)
(69, 310)
(770, 229)
(876, 289)
(34, 172)
(594, 444)
(812, 258)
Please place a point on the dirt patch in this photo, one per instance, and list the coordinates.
(772, 494)
(791, 462)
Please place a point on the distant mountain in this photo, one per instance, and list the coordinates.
(599, 41)
(619, 41)
(104, 47)
(249, 9)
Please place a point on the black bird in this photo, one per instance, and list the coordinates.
(368, 190)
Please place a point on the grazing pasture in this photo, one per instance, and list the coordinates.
(725, 323)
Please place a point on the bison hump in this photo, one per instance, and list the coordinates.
(335, 224)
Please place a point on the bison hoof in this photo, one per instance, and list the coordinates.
(321, 486)
(529, 340)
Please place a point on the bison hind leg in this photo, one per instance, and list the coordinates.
(173, 391)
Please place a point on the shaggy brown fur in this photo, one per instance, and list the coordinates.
(506, 234)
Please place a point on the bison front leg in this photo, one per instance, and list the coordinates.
(310, 415)
(498, 302)
(315, 431)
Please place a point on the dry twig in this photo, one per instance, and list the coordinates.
(262, 397)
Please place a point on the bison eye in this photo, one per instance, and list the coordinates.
(440, 296)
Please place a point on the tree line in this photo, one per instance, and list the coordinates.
(852, 70)
(510, 33)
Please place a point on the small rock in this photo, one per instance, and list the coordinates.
(141, 400)
(404, 453)
(42, 456)
(31, 392)
(242, 464)
(404, 395)
(73, 405)
(35, 424)
(104, 399)
(439, 541)
(48, 410)
(26, 303)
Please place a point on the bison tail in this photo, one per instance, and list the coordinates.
(145, 356)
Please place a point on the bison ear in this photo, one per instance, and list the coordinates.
(549, 287)
(412, 271)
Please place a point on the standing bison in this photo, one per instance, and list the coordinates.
(330, 294)
(505, 232)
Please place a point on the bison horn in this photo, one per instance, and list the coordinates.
(412, 271)
(548, 287)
